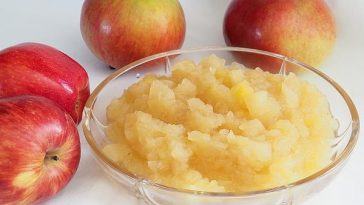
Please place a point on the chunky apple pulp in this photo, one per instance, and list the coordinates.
(220, 128)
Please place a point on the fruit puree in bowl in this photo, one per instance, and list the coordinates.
(217, 127)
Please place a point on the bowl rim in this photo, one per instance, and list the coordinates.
(341, 158)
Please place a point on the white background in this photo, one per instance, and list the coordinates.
(56, 23)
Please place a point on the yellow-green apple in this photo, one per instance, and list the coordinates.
(39, 149)
(119, 32)
(301, 29)
(38, 69)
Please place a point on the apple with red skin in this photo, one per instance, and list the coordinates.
(39, 149)
(119, 32)
(38, 69)
(301, 29)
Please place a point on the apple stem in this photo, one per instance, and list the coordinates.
(52, 157)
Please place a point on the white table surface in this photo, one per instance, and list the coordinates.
(56, 23)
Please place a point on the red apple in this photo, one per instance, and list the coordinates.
(302, 29)
(37, 69)
(119, 32)
(39, 149)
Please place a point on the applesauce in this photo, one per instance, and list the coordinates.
(220, 128)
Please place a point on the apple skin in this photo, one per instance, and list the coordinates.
(38, 69)
(301, 29)
(39, 149)
(119, 32)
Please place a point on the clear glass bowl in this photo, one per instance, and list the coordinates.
(149, 192)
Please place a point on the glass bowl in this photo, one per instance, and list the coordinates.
(148, 192)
